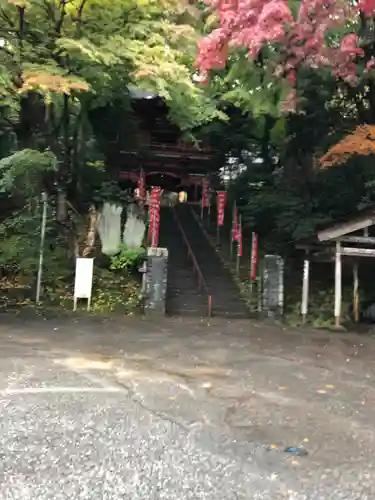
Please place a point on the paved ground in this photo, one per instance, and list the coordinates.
(96, 409)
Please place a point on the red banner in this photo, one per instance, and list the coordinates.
(141, 185)
(239, 239)
(235, 225)
(205, 185)
(254, 257)
(221, 202)
(154, 217)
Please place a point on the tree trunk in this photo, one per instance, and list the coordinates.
(92, 232)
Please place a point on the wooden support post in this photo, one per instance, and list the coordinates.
(355, 293)
(338, 286)
(305, 288)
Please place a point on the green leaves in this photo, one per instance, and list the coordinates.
(99, 47)
(24, 170)
(127, 259)
(84, 51)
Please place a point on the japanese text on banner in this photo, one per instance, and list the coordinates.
(254, 257)
(154, 216)
(221, 202)
(205, 185)
(239, 240)
(141, 185)
(235, 225)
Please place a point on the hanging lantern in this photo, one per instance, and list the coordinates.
(182, 196)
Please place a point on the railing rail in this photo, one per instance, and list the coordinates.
(202, 285)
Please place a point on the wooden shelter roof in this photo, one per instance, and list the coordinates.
(351, 231)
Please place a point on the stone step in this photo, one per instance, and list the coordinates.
(183, 296)
(226, 299)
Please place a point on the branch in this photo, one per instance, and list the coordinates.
(80, 9)
(50, 10)
(6, 17)
(12, 124)
(58, 26)
(78, 19)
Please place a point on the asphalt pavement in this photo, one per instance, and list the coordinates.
(104, 409)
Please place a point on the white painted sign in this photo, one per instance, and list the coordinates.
(83, 281)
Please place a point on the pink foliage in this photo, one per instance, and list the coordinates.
(367, 7)
(302, 39)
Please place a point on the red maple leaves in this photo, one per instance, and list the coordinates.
(367, 7)
(303, 40)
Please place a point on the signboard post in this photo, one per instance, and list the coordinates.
(273, 285)
(156, 281)
(305, 288)
(83, 281)
(41, 250)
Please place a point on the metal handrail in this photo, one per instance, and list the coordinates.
(196, 268)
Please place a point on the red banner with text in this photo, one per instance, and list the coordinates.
(205, 185)
(154, 217)
(235, 225)
(221, 202)
(254, 257)
(239, 240)
(141, 185)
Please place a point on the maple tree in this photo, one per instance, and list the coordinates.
(65, 66)
(306, 33)
(360, 143)
(88, 56)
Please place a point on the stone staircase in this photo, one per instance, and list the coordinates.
(183, 297)
(182, 294)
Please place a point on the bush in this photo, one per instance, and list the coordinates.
(127, 259)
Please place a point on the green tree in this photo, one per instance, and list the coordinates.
(67, 69)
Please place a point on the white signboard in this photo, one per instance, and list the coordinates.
(83, 281)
